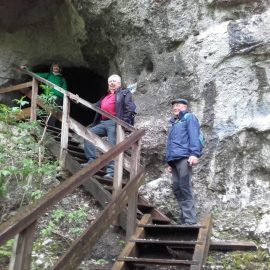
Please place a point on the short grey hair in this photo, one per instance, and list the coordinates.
(115, 77)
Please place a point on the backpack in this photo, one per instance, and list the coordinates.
(131, 118)
(201, 135)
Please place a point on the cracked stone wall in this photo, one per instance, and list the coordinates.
(38, 33)
(213, 52)
(216, 54)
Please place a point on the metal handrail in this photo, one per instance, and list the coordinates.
(23, 224)
(29, 214)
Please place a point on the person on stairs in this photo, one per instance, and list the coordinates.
(54, 76)
(118, 102)
(183, 152)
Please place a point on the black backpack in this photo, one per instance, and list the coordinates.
(131, 118)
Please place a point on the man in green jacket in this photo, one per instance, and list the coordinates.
(55, 77)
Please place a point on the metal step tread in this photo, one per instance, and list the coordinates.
(157, 244)
(76, 148)
(145, 206)
(158, 261)
(166, 242)
(171, 226)
(76, 153)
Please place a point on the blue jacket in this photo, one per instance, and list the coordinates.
(124, 106)
(183, 138)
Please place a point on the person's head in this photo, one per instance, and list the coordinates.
(55, 68)
(179, 105)
(114, 82)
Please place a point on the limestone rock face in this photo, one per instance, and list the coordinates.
(37, 33)
(215, 53)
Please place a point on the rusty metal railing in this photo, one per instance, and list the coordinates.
(23, 224)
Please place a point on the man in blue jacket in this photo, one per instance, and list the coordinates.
(183, 152)
(118, 102)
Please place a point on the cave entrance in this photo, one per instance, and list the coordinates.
(87, 85)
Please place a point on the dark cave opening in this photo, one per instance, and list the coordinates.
(86, 84)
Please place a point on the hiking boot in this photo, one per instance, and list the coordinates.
(108, 176)
(85, 164)
(190, 224)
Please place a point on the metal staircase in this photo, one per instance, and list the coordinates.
(100, 188)
(153, 242)
(153, 246)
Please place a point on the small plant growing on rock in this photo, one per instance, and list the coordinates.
(79, 215)
(47, 231)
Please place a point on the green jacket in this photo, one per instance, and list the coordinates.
(56, 79)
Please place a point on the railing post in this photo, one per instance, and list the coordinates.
(132, 202)
(118, 170)
(22, 249)
(119, 164)
(64, 131)
(33, 115)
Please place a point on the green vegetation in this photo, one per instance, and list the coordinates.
(99, 262)
(27, 172)
(22, 157)
(19, 158)
(247, 261)
(23, 169)
(121, 243)
(77, 216)
(6, 251)
(48, 230)
(72, 220)
(48, 99)
(9, 114)
(259, 260)
(58, 214)
(76, 231)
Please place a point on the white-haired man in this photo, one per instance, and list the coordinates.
(118, 102)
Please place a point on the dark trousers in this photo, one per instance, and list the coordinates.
(182, 189)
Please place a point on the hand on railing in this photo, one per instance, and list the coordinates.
(23, 67)
(73, 97)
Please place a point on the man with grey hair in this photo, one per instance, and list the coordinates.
(118, 102)
(183, 152)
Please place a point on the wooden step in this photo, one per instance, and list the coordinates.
(105, 181)
(58, 139)
(157, 216)
(175, 243)
(51, 128)
(145, 261)
(171, 232)
(143, 206)
(70, 141)
(230, 245)
(76, 148)
(76, 154)
(182, 245)
(80, 160)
